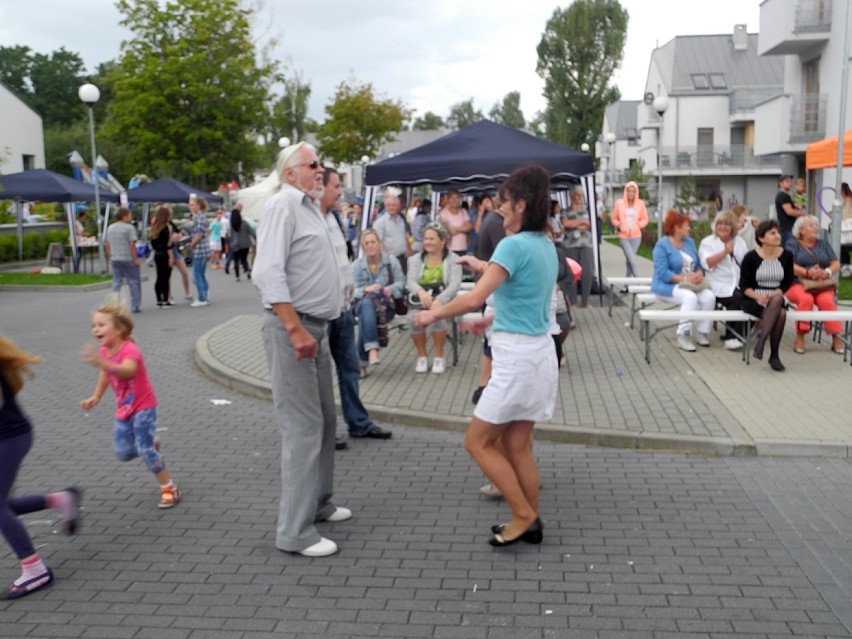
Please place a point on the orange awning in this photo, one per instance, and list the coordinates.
(823, 154)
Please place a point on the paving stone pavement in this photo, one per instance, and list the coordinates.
(637, 544)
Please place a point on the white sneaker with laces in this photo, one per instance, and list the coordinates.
(438, 365)
(733, 344)
(702, 339)
(684, 343)
(422, 365)
(198, 303)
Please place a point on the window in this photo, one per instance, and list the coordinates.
(700, 81)
(717, 81)
(29, 162)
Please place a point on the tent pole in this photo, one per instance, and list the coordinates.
(69, 215)
(836, 209)
(19, 210)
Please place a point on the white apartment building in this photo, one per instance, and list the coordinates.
(807, 36)
(713, 84)
(21, 136)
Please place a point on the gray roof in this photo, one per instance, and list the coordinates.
(682, 57)
(622, 116)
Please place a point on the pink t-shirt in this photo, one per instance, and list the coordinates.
(136, 393)
(458, 242)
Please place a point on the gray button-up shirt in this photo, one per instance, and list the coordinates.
(296, 261)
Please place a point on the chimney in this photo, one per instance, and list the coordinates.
(740, 37)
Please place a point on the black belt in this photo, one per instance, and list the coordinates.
(302, 316)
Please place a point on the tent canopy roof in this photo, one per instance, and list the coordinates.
(168, 190)
(823, 154)
(482, 152)
(46, 186)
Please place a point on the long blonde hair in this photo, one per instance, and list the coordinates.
(15, 364)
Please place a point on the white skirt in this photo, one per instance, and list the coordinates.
(524, 379)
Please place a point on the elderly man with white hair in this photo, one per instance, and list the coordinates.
(393, 230)
(297, 274)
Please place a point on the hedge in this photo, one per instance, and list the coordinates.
(35, 245)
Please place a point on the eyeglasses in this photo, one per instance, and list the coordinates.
(313, 166)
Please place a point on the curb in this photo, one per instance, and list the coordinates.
(219, 372)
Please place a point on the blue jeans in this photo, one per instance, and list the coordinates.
(341, 341)
(127, 271)
(199, 275)
(134, 437)
(368, 332)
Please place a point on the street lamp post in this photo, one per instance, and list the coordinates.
(609, 138)
(365, 160)
(661, 103)
(90, 94)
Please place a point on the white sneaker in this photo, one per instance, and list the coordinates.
(733, 344)
(339, 514)
(490, 491)
(198, 303)
(702, 339)
(684, 343)
(323, 548)
(422, 365)
(438, 366)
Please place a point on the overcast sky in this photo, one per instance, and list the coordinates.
(430, 55)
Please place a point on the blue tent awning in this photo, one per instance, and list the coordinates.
(168, 190)
(484, 152)
(46, 186)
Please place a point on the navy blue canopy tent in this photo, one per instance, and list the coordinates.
(168, 190)
(479, 157)
(42, 185)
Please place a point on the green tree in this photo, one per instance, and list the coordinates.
(508, 111)
(189, 95)
(579, 51)
(358, 123)
(687, 196)
(463, 114)
(55, 80)
(15, 65)
(428, 122)
(290, 112)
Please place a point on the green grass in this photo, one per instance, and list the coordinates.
(844, 291)
(38, 279)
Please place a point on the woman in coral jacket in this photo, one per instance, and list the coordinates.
(630, 216)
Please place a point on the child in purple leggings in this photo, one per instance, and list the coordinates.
(16, 438)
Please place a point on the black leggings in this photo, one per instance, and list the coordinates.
(164, 274)
(12, 453)
(241, 257)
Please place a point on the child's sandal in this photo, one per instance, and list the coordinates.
(169, 496)
(16, 591)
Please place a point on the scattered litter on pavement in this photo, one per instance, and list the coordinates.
(220, 402)
(474, 587)
(548, 612)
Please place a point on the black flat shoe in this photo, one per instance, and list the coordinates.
(377, 433)
(532, 535)
(498, 528)
(340, 444)
(776, 364)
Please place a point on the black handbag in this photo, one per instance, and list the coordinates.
(399, 305)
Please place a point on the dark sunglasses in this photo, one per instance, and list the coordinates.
(313, 166)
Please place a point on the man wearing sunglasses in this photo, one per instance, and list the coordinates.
(297, 274)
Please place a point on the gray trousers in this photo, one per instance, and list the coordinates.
(585, 255)
(630, 246)
(127, 271)
(303, 396)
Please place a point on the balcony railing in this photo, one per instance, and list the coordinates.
(807, 117)
(734, 156)
(812, 16)
(747, 99)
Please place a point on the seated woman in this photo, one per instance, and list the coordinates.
(678, 278)
(378, 278)
(765, 274)
(813, 259)
(721, 255)
(434, 277)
